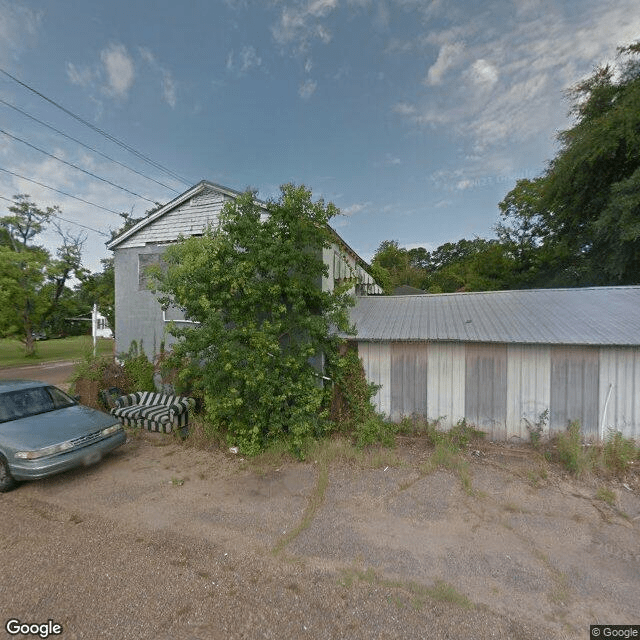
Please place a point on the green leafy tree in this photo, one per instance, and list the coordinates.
(469, 265)
(579, 223)
(254, 287)
(393, 267)
(32, 283)
(22, 310)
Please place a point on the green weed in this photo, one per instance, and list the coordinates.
(619, 453)
(570, 452)
(606, 495)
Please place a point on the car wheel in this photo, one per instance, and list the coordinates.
(6, 479)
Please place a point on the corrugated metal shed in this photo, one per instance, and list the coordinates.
(585, 316)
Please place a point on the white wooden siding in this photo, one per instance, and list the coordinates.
(190, 218)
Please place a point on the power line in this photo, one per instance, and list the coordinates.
(86, 146)
(70, 164)
(84, 226)
(98, 130)
(64, 193)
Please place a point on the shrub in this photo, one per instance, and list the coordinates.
(570, 452)
(619, 452)
(138, 369)
(350, 407)
(93, 374)
(536, 429)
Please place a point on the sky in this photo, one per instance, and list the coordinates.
(414, 117)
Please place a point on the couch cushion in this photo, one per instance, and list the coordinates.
(154, 413)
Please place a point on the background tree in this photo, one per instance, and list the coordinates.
(579, 223)
(32, 283)
(469, 265)
(393, 267)
(253, 285)
(99, 288)
(466, 265)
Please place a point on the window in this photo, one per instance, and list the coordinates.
(145, 262)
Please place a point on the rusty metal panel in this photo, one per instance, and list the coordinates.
(486, 388)
(619, 397)
(376, 360)
(445, 382)
(574, 388)
(408, 379)
(528, 387)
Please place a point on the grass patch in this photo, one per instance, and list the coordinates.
(418, 594)
(537, 476)
(447, 456)
(615, 457)
(73, 348)
(606, 495)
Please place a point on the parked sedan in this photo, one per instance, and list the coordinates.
(44, 431)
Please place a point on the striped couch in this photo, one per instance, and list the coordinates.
(153, 411)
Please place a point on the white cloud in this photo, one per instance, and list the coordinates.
(300, 24)
(82, 76)
(168, 83)
(484, 73)
(247, 59)
(307, 89)
(503, 89)
(449, 55)
(19, 25)
(169, 89)
(119, 68)
(354, 208)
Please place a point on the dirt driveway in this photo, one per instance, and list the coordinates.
(57, 373)
(163, 541)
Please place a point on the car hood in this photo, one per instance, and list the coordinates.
(53, 427)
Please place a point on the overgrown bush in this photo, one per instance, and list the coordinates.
(260, 318)
(138, 369)
(351, 409)
(92, 374)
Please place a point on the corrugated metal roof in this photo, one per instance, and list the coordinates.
(587, 316)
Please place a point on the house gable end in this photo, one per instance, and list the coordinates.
(187, 215)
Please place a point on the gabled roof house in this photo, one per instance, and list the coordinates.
(139, 316)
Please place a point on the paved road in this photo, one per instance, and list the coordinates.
(57, 373)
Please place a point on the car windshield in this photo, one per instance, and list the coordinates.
(29, 402)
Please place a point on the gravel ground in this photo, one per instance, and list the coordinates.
(163, 541)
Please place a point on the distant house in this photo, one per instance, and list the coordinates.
(99, 324)
(501, 359)
(139, 316)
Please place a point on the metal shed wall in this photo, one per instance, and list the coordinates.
(619, 390)
(504, 388)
